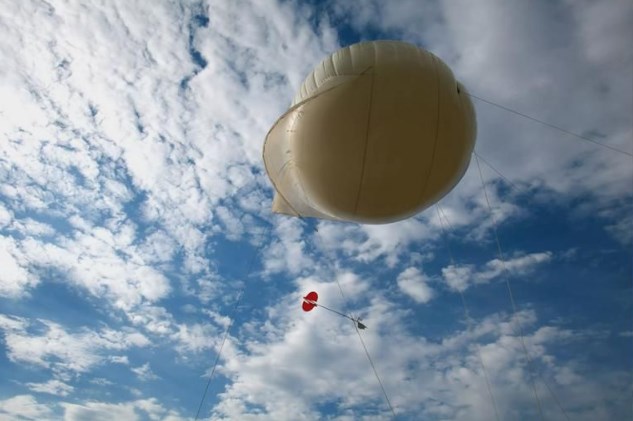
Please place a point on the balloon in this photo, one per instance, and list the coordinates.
(377, 132)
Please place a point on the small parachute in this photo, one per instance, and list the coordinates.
(310, 301)
(378, 132)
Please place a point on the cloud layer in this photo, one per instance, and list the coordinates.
(134, 211)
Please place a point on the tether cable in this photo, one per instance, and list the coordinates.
(362, 342)
(217, 357)
(511, 295)
(551, 391)
(550, 125)
(506, 179)
(373, 367)
(228, 329)
(467, 315)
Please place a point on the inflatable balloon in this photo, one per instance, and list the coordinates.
(378, 132)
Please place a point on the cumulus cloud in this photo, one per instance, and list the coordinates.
(559, 73)
(23, 407)
(368, 243)
(133, 410)
(288, 375)
(195, 338)
(52, 387)
(287, 253)
(65, 353)
(131, 179)
(15, 279)
(144, 372)
(415, 284)
(95, 261)
(460, 277)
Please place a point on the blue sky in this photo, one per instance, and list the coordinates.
(134, 211)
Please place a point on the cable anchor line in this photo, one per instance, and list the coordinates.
(356, 320)
(310, 302)
(520, 332)
(228, 327)
(550, 125)
(510, 294)
(469, 319)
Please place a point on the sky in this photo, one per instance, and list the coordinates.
(136, 231)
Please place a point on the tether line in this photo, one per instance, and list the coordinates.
(228, 329)
(550, 125)
(373, 367)
(355, 321)
(217, 357)
(551, 391)
(511, 295)
(506, 179)
(362, 342)
(467, 315)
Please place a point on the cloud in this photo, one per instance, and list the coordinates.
(460, 277)
(153, 319)
(53, 387)
(23, 407)
(288, 252)
(132, 410)
(564, 68)
(131, 177)
(457, 277)
(15, 279)
(95, 262)
(119, 359)
(367, 243)
(415, 284)
(287, 370)
(195, 338)
(66, 353)
(144, 372)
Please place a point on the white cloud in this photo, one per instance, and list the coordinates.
(97, 411)
(195, 338)
(95, 262)
(368, 243)
(31, 227)
(457, 277)
(66, 353)
(132, 410)
(119, 359)
(144, 372)
(460, 277)
(100, 381)
(288, 252)
(568, 67)
(415, 284)
(517, 265)
(10, 323)
(288, 368)
(15, 279)
(155, 320)
(136, 168)
(5, 216)
(53, 387)
(23, 407)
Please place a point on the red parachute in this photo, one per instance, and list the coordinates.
(309, 301)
